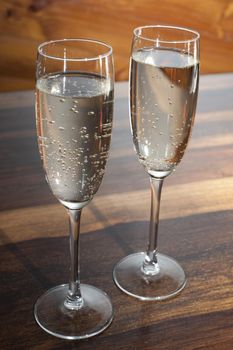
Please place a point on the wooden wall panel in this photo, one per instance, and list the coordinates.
(26, 23)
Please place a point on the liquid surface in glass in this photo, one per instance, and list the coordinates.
(164, 85)
(74, 123)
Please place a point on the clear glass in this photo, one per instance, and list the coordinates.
(74, 111)
(164, 75)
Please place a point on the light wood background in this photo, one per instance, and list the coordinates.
(26, 23)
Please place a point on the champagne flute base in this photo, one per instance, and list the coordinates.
(93, 317)
(166, 283)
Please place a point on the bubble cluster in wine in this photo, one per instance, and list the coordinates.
(163, 97)
(74, 125)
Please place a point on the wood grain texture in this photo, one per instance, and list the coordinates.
(195, 228)
(26, 23)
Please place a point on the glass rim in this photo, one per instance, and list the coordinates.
(189, 30)
(85, 59)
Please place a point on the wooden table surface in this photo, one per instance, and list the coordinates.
(196, 228)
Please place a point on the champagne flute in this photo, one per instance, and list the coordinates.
(74, 109)
(164, 76)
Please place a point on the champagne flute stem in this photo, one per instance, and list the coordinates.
(150, 265)
(74, 299)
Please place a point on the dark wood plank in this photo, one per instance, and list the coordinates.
(28, 187)
(198, 317)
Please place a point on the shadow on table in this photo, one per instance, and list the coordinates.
(30, 267)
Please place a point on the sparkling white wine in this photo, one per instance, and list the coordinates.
(74, 124)
(164, 85)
